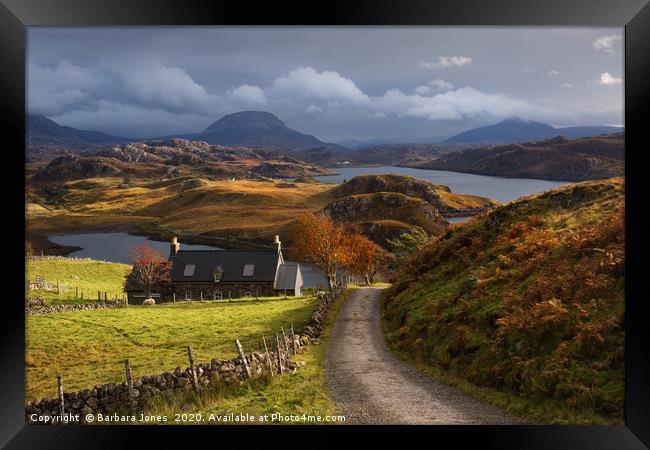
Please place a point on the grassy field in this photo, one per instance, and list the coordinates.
(302, 392)
(88, 275)
(89, 348)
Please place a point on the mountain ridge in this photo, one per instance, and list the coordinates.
(517, 130)
(561, 159)
(240, 129)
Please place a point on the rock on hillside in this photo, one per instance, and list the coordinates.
(367, 184)
(437, 195)
(69, 167)
(383, 206)
(178, 157)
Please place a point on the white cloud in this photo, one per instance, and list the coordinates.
(446, 62)
(458, 104)
(607, 43)
(154, 84)
(313, 109)
(306, 83)
(608, 79)
(251, 95)
(567, 86)
(552, 73)
(529, 69)
(434, 86)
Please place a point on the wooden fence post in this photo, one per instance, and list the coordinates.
(243, 358)
(279, 350)
(201, 295)
(268, 357)
(174, 297)
(293, 341)
(59, 383)
(105, 296)
(195, 380)
(99, 296)
(129, 383)
(76, 292)
(284, 340)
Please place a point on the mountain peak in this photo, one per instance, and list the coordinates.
(256, 129)
(246, 119)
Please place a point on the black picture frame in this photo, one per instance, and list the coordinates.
(634, 15)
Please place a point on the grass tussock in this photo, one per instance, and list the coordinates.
(524, 306)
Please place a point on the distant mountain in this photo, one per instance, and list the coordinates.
(43, 131)
(242, 129)
(355, 144)
(590, 158)
(579, 132)
(256, 129)
(516, 130)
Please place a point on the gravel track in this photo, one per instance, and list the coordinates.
(369, 385)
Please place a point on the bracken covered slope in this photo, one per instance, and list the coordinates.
(526, 299)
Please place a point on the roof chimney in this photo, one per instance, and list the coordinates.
(277, 245)
(174, 247)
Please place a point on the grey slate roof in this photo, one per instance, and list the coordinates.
(289, 276)
(232, 263)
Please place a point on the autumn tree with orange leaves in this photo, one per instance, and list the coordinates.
(150, 270)
(321, 241)
(367, 259)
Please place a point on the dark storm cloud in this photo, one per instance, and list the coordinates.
(335, 83)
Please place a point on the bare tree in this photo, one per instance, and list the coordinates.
(150, 269)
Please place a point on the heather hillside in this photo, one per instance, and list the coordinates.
(526, 300)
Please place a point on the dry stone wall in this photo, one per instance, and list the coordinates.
(115, 397)
(36, 306)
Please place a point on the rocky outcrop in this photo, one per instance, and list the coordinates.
(176, 157)
(382, 206)
(75, 167)
(412, 187)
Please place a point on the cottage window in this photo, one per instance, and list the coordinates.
(249, 269)
(189, 270)
(218, 295)
(247, 295)
(188, 295)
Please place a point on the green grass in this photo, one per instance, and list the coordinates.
(89, 347)
(302, 392)
(88, 275)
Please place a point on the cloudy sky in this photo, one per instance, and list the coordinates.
(333, 82)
